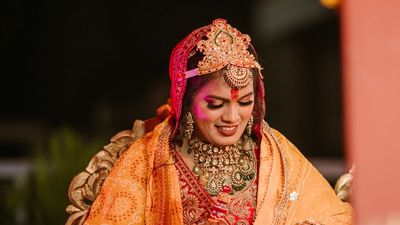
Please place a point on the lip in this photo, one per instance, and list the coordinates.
(227, 131)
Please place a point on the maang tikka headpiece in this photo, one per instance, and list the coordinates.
(226, 47)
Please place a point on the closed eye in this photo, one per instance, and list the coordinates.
(245, 103)
(214, 106)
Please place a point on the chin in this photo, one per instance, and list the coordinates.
(224, 141)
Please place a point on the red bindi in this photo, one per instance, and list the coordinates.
(234, 93)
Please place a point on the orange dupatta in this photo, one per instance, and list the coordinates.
(143, 187)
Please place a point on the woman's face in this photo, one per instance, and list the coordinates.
(220, 114)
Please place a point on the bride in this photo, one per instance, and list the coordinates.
(214, 160)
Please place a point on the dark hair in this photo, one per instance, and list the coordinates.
(194, 84)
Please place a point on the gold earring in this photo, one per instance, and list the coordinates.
(249, 126)
(188, 126)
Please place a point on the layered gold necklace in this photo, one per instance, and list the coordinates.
(216, 167)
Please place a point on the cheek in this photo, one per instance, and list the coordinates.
(246, 113)
(204, 114)
(199, 113)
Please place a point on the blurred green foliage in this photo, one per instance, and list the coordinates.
(42, 199)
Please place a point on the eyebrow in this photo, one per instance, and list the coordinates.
(226, 99)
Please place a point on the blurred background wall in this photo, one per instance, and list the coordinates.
(371, 72)
(78, 72)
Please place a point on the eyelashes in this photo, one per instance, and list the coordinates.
(218, 106)
(213, 106)
(245, 103)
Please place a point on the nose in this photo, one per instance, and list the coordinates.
(231, 114)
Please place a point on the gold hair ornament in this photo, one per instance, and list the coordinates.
(226, 46)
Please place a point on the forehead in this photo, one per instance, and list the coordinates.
(220, 88)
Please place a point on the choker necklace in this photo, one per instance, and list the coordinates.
(216, 167)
